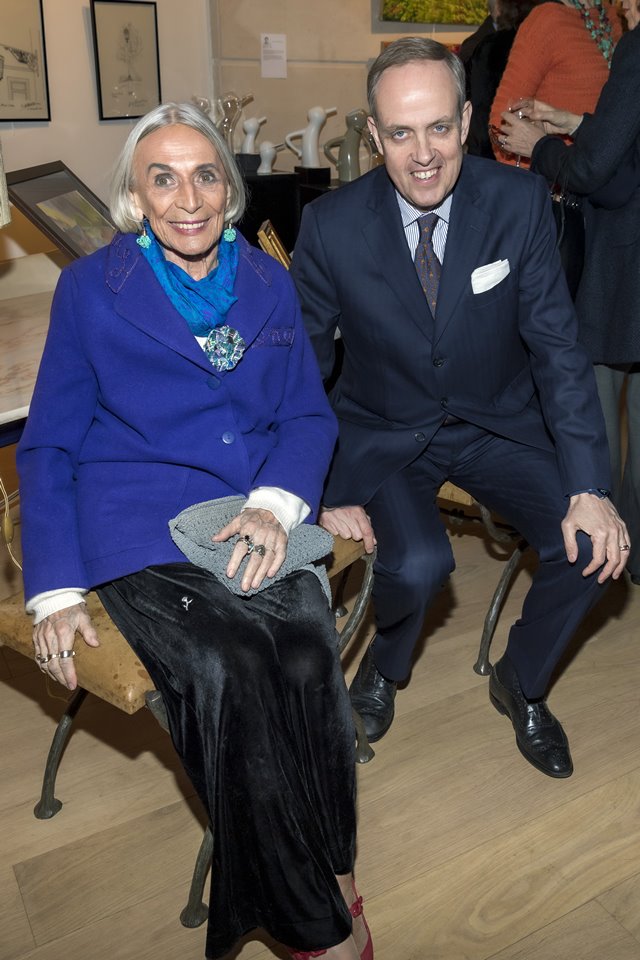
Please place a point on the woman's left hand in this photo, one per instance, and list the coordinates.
(262, 537)
(519, 136)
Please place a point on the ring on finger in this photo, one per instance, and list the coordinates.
(625, 546)
(65, 654)
(260, 549)
(246, 539)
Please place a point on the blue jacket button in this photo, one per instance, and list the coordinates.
(419, 437)
(228, 436)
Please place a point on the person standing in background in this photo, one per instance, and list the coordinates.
(561, 55)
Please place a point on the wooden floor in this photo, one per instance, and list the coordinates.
(465, 852)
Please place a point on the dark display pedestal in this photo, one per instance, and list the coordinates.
(275, 197)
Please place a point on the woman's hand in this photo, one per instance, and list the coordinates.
(53, 640)
(517, 135)
(260, 536)
(553, 120)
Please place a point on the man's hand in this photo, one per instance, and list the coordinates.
(53, 638)
(350, 523)
(600, 520)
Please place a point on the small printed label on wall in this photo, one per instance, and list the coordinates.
(273, 55)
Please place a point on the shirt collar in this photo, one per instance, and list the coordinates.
(410, 214)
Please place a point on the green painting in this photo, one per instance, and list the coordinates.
(434, 11)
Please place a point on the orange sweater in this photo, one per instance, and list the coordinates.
(555, 59)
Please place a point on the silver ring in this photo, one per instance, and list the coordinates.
(45, 659)
(625, 546)
(249, 542)
(65, 654)
(260, 549)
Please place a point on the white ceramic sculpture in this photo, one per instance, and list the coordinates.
(309, 155)
(268, 152)
(250, 128)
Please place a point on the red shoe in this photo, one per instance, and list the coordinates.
(356, 911)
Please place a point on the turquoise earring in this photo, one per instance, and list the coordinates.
(230, 233)
(144, 240)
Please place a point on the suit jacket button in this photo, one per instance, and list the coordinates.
(419, 437)
(438, 361)
(228, 436)
(213, 384)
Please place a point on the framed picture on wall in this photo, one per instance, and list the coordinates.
(125, 40)
(24, 91)
(62, 206)
(415, 16)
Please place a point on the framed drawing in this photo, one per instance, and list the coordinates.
(59, 203)
(125, 40)
(413, 16)
(24, 91)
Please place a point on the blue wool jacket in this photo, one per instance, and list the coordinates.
(130, 423)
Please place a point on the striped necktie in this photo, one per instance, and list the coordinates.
(426, 263)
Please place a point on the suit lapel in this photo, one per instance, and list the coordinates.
(468, 225)
(384, 236)
(143, 303)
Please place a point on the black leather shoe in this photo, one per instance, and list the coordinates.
(539, 736)
(372, 696)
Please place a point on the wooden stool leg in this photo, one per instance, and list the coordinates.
(482, 664)
(47, 806)
(196, 911)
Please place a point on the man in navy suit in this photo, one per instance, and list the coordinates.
(460, 362)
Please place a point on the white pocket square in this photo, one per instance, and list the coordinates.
(488, 276)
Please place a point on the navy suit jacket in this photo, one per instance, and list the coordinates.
(506, 358)
(130, 423)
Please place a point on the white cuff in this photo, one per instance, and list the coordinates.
(286, 507)
(44, 604)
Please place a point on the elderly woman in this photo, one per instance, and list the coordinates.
(604, 165)
(177, 372)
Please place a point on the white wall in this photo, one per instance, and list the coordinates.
(329, 45)
(75, 135)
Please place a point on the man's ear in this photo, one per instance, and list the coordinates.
(373, 130)
(466, 120)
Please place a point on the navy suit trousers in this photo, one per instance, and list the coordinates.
(522, 485)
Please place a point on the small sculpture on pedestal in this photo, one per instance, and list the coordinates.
(309, 154)
(348, 160)
(250, 129)
(230, 107)
(268, 152)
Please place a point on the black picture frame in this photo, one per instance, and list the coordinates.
(62, 206)
(24, 84)
(125, 43)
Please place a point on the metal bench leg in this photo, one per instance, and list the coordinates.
(196, 911)
(364, 750)
(339, 608)
(482, 664)
(47, 806)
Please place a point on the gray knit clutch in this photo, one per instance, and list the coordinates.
(192, 530)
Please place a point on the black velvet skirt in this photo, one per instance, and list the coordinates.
(261, 719)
